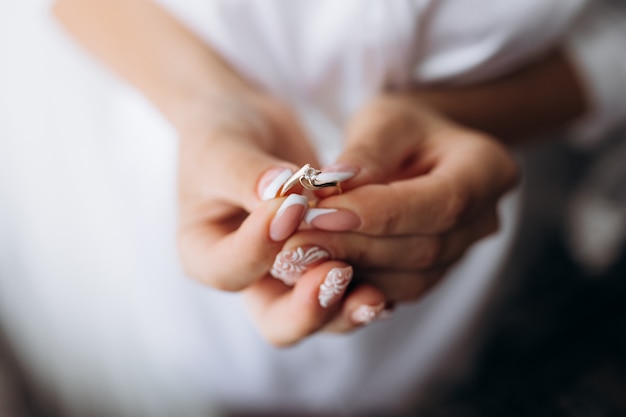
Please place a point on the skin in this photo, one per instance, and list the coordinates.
(433, 200)
(517, 108)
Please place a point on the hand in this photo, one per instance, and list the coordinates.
(229, 235)
(233, 141)
(223, 233)
(426, 190)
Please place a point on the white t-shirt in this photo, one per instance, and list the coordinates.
(328, 57)
(91, 290)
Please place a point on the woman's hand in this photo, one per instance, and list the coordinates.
(232, 229)
(426, 190)
(235, 143)
(227, 231)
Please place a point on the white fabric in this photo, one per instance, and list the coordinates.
(90, 285)
(328, 56)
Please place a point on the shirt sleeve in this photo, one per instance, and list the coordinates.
(596, 47)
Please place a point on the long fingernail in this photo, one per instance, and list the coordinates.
(271, 181)
(289, 265)
(334, 176)
(332, 220)
(334, 285)
(366, 314)
(288, 217)
(337, 172)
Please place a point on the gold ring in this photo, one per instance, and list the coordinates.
(307, 177)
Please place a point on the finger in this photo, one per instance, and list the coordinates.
(423, 205)
(363, 305)
(231, 254)
(402, 286)
(454, 190)
(286, 315)
(416, 252)
(477, 163)
(383, 144)
(231, 178)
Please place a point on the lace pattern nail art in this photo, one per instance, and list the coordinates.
(334, 285)
(289, 265)
(366, 314)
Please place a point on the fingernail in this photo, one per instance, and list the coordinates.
(334, 285)
(337, 172)
(289, 265)
(366, 314)
(332, 220)
(288, 217)
(334, 176)
(271, 181)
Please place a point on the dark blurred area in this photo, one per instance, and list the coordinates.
(556, 347)
(555, 341)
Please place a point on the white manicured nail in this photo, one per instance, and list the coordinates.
(272, 188)
(332, 220)
(312, 213)
(366, 314)
(334, 176)
(288, 217)
(291, 200)
(289, 265)
(334, 285)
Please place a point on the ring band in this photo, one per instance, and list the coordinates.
(307, 177)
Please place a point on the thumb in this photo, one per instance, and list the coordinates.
(232, 171)
(383, 144)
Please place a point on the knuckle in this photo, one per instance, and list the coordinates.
(389, 223)
(384, 223)
(455, 208)
(430, 254)
(359, 256)
(396, 209)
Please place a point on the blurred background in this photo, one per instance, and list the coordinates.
(556, 341)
